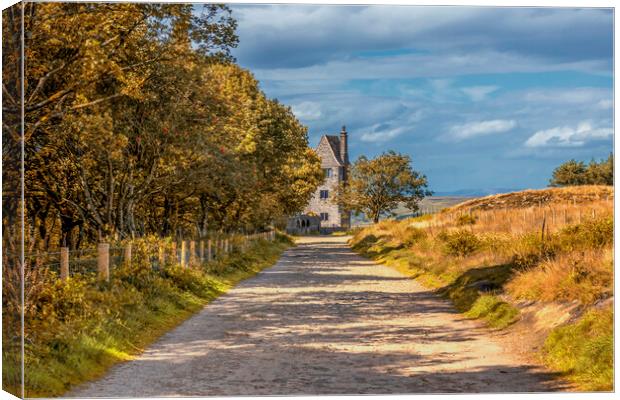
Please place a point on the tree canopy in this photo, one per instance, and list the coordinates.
(377, 186)
(137, 121)
(574, 173)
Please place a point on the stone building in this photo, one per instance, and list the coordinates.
(334, 153)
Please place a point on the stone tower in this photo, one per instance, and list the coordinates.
(334, 153)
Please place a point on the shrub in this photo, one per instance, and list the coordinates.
(465, 219)
(413, 235)
(592, 233)
(460, 243)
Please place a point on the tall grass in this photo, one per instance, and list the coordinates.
(549, 246)
(79, 327)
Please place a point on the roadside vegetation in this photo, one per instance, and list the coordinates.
(76, 329)
(488, 255)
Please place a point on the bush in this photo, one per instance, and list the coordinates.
(460, 243)
(413, 235)
(465, 219)
(592, 233)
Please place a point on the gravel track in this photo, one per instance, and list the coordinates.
(323, 320)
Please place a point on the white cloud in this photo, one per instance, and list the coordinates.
(428, 66)
(307, 110)
(567, 136)
(481, 128)
(381, 135)
(577, 95)
(478, 93)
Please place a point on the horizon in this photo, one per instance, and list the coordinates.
(482, 99)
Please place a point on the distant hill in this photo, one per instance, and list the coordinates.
(475, 192)
(427, 205)
(533, 198)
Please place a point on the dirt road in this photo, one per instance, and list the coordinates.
(323, 321)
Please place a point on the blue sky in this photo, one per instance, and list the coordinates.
(479, 97)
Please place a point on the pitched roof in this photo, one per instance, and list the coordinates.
(334, 143)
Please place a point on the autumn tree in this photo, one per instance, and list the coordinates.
(377, 186)
(138, 121)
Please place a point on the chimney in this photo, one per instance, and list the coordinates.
(344, 146)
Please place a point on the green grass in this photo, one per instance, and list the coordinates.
(82, 328)
(495, 312)
(584, 350)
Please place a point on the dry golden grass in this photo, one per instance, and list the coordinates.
(587, 275)
(529, 211)
(537, 198)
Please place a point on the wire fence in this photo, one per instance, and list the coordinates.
(101, 260)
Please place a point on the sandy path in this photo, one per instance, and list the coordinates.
(323, 321)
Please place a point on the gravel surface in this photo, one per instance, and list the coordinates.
(323, 320)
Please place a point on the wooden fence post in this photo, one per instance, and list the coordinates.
(103, 261)
(192, 253)
(64, 263)
(162, 255)
(209, 254)
(127, 255)
(183, 253)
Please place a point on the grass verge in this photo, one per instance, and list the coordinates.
(583, 351)
(81, 327)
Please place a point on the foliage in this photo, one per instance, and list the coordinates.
(465, 219)
(584, 350)
(573, 173)
(460, 243)
(138, 122)
(591, 233)
(376, 187)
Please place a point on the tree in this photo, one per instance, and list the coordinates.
(570, 173)
(574, 173)
(376, 187)
(601, 173)
(138, 121)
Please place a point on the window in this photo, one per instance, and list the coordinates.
(324, 216)
(328, 172)
(324, 194)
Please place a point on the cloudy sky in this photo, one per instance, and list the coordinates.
(480, 98)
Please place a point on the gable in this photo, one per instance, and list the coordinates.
(329, 150)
